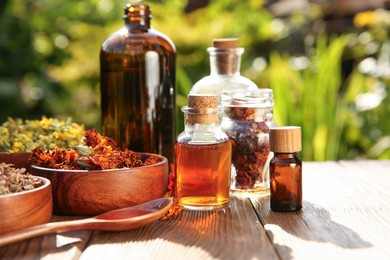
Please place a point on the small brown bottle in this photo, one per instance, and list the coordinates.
(285, 169)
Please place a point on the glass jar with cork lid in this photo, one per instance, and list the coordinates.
(202, 156)
(247, 119)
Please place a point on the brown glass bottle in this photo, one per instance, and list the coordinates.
(285, 169)
(138, 85)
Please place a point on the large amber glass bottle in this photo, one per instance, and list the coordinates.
(138, 85)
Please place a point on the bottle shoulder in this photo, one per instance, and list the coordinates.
(126, 39)
(215, 84)
(207, 85)
(161, 35)
(247, 82)
(286, 159)
(195, 136)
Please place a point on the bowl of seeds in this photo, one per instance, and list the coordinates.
(98, 176)
(25, 200)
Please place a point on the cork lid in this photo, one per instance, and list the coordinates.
(202, 101)
(202, 109)
(227, 58)
(225, 43)
(285, 139)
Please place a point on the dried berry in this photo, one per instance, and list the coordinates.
(248, 134)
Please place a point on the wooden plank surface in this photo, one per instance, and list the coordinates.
(345, 215)
(68, 245)
(233, 233)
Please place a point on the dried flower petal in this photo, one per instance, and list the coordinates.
(102, 153)
(250, 145)
(173, 211)
(171, 180)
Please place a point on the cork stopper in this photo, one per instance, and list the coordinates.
(227, 59)
(285, 139)
(202, 109)
(225, 43)
(202, 101)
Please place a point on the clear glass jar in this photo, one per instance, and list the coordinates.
(247, 119)
(202, 157)
(225, 61)
(137, 85)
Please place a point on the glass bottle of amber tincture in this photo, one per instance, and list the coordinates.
(137, 85)
(202, 156)
(285, 169)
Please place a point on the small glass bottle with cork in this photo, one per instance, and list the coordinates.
(225, 62)
(285, 169)
(202, 156)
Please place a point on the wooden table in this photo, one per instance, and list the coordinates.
(345, 215)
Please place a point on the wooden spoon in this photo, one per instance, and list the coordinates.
(116, 220)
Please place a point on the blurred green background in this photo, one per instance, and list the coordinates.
(328, 62)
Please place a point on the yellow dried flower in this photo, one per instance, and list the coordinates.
(17, 135)
(18, 146)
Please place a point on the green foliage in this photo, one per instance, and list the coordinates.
(49, 65)
(49, 58)
(311, 98)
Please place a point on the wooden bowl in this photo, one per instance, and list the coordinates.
(92, 192)
(25, 209)
(20, 159)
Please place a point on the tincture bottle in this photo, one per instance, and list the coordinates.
(138, 85)
(202, 156)
(225, 62)
(285, 169)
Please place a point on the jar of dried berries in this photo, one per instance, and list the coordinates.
(247, 119)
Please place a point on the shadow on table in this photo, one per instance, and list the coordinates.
(312, 223)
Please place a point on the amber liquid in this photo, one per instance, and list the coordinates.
(203, 175)
(138, 91)
(286, 182)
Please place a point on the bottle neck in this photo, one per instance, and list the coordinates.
(285, 155)
(202, 125)
(210, 127)
(195, 124)
(225, 61)
(137, 17)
